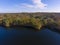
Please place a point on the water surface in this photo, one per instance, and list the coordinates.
(25, 36)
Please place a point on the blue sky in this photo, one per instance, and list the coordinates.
(12, 6)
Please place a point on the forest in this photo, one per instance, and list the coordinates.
(34, 20)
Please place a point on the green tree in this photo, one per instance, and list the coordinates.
(6, 22)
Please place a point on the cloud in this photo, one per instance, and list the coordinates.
(26, 5)
(39, 4)
(36, 4)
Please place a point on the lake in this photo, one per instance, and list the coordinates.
(27, 36)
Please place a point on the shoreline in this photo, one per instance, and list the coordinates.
(29, 27)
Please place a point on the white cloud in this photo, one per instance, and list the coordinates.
(39, 4)
(26, 5)
(36, 4)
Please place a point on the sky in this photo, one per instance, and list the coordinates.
(16, 6)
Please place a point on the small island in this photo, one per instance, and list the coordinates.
(34, 20)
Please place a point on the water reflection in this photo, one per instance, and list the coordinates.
(25, 36)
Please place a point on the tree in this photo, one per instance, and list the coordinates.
(36, 23)
(6, 22)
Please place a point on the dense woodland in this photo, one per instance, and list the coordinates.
(35, 20)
